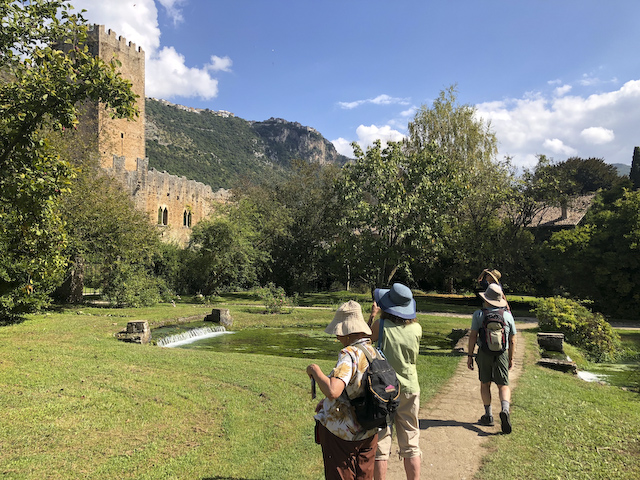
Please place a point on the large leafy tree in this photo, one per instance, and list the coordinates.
(467, 142)
(296, 218)
(222, 254)
(107, 232)
(601, 260)
(396, 205)
(46, 74)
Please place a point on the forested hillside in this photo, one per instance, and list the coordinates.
(219, 150)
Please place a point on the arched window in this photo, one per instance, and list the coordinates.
(165, 216)
(160, 216)
(186, 219)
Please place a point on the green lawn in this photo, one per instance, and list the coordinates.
(77, 403)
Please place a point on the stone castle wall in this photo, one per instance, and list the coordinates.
(174, 203)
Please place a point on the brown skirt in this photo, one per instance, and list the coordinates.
(344, 460)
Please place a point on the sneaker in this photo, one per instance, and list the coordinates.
(486, 420)
(505, 419)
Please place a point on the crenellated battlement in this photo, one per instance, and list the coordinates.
(173, 203)
(116, 41)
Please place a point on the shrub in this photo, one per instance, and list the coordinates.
(274, 298)
(581, 327)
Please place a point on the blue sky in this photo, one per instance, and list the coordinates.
(554, 77)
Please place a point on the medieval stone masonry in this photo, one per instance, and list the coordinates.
(173, 203)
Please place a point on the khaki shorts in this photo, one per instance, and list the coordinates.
(493, 369)
(407, 429)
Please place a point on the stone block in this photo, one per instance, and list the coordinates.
(551, 341)
(221, 316)
(136, 332)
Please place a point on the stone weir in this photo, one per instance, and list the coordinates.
(191, 336)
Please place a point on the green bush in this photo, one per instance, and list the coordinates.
(275, 299)
(581, 327)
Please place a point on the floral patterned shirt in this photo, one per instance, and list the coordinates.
(338, 415)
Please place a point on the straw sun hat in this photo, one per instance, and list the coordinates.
(347, 320)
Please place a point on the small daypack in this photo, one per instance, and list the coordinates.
(493, 333)
(381, 392)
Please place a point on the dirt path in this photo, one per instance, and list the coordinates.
(450, 437)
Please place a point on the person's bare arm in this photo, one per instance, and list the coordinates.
(473, 336)
(331, 387)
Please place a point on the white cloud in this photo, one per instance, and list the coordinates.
(343, 147)
(172, 77)
(598, 135)
(557, 146)
(564, 126)
(563, 90)
(173, 10)
(367, 135)
(379, 100)
(219, 64)
(167, 73)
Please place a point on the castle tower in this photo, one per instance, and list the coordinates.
(120, 137)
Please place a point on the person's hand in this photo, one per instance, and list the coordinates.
(510, 363)
(312, 369)
(469, 362)
(375, 309)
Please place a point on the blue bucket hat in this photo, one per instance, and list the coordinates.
(397, 300)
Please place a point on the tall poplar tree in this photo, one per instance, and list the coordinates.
(635, 169)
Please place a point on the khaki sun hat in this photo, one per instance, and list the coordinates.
(348, 319)
(493, 295)
(495, 274)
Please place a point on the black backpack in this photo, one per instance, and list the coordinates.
(493, 333)
(381, 392)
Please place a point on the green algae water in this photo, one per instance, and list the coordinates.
(285, 342)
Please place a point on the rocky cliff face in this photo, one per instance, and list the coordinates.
(219, 149)
(290, 140)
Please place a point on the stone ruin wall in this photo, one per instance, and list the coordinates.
(175, 204)
(182, 203)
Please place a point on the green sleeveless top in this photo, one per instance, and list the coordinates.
(401, 345)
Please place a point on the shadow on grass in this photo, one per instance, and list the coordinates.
(225, 478)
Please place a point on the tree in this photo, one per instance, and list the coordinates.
(601, 260)
(47, 73)
(468, 143)
(396, 207)
(296, 218)
(105, 230)
(223, 254)
(635, 169)
(578, 176)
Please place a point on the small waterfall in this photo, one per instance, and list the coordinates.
(191, 336)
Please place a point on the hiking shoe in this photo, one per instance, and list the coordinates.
(486, 420)
(505, 419)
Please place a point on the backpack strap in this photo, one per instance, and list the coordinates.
(380, 332)
(364, 350)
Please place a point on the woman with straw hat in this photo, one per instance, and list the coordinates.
(347, 449)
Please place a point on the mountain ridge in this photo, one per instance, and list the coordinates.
(219, 149)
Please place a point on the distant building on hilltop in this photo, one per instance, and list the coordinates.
(174, 203)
